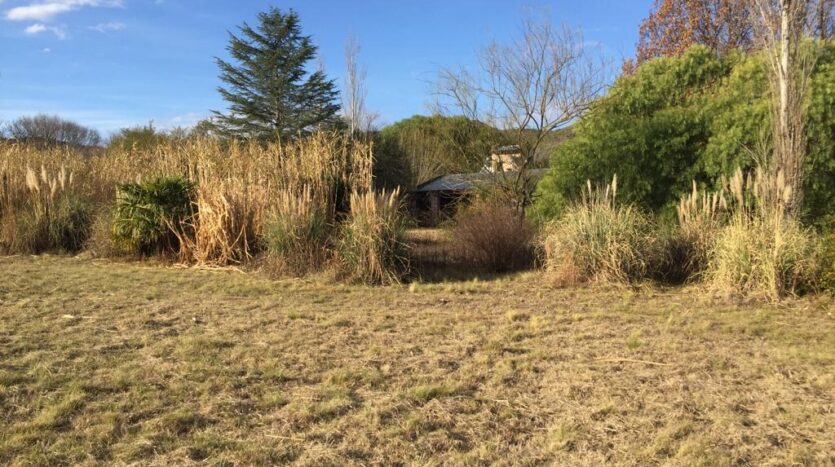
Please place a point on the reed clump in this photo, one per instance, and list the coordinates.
(298, 232)
(204, 201)
(371, 245)
(683, 251)
(45, 214)
(762, 250)
(226, 223)
(599, 239)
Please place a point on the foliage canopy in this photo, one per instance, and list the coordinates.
(693, 117)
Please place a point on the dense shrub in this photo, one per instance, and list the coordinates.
(493, 237)
(149, 216)
(297, 233)
(693, 117)
(371, 245)
(599, 239)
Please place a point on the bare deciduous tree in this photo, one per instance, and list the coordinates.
(537, 84)
(780, 29)
(52, 129)
(354, 93)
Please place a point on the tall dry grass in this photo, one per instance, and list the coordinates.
(298, 232)
(762, 250)
(683, 251)
(238, 182)
(599, 239)
(371, 246)
(47, 214)
(227, 224)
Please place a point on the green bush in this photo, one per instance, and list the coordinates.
(148, 213)
(418, 148)
(696, 117)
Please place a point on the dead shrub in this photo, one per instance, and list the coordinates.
(492, 237)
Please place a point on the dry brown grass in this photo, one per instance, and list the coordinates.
(109, 363)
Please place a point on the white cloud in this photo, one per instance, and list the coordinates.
(46, 50)
(40, 12)
(46, 11)
(38, 28)
(35, 28)
(111, 26)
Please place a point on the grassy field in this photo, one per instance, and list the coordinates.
(132, 363)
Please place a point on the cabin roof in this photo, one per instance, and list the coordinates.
(465, 181)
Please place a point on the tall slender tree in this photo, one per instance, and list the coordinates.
(271, 92)
(781, 27)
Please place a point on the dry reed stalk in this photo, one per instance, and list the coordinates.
(227, 225)
(372, 246)
(240, 181)
(598, 240)
(763, 250)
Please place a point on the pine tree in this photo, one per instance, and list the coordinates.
(270, 91)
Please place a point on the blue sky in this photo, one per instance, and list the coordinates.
(116, 63)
